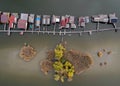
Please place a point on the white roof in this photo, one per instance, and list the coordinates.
(15, 14)
(6, 13)
(57, 20)
(31, 18)
(24, 16)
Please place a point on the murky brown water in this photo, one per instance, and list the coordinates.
(15, 72)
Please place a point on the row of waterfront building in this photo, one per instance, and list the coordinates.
(27, 21)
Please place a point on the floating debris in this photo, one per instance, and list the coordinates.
(104, 50)
(101, 64)
(27, 52)
(109, 52)
(100, 54)
(46, 66)
(105, 63)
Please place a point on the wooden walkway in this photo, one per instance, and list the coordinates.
(59, 32)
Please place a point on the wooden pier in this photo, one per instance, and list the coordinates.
(64, 32)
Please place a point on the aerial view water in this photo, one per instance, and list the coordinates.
(104, 72)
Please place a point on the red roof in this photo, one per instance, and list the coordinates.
(11, 20)
(67, 20)
(62, 23)
(22, 24)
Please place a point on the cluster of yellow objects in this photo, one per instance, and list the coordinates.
(59, 51)
(62, 69)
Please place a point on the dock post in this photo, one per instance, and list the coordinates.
(114, 25)
(64, 31)
(32, 29)
(62, 39)
(80, 33)
(53, 32)
(98, 25)
(60, 33)
(48, 32)
(90, 32)
(54, 29)
(46, 28)
(4, 27)
(14, 26)
(43, 29)
(39, 30)
(9, 31)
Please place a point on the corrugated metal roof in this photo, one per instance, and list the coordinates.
(46, 19)
(24, 16)
(22, 24)
(31, 18)
(4, 18)
(38, 20)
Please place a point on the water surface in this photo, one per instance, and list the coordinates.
(15, 72)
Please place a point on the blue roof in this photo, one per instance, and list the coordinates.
(38, 18)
